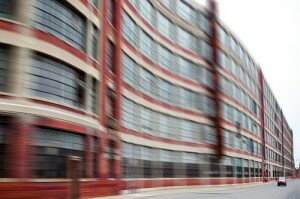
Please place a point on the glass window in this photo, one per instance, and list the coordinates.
(129, 114)
(3, 132)
(6, 8)
(165, 126)
(146, 122)
(165, 58)
(111, 7)
(147, 80)
(163, 25)
(147, 11)
(186, 39)
(204, 23)
(129, 29)
(92, 96)
(110, 56)
(4, 67)
(94, 42)
(186, 12)
(55, 80)
(57, 18)
(52, 148)
(185, 68)
(145, 44)
(130, 71)
(165, 91)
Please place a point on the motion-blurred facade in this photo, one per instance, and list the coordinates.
(146, 93)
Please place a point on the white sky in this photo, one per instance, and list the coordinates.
(270, 30)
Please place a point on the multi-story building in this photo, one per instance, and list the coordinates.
(146, 93)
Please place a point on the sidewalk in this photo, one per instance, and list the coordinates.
(150, 192)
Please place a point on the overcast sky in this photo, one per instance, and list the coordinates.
(270, 30)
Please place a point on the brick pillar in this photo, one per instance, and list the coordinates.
(103, 164)
(103, 74)
(118, 160)
(89, 157)
(214, 41)
(18, 150)
(262, 121)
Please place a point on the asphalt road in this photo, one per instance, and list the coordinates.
(264, 191)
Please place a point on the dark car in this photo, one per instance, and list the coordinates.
(281, 181)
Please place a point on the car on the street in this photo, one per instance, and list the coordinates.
(281, 181)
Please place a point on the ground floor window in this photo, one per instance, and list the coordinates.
(51, 150)
(3, 129)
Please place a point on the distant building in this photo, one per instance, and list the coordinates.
(146, 93)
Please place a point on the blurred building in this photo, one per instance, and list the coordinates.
(146, 93)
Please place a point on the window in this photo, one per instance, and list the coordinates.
(51, 150)
(130, 71)
(189, 131)
(191, 164)
(92, 96)
(147, 11)
(239, 167)
(205, 49)
(166, 157)
(3, 130)
(165, 58)
(6, 8)
(4, 66)
(186, 12)
(129, 114)
(204, 23)
(55, 81)
(186, 39)
(163, 25)
(147, 82)
(111, 7)
(94, 42)
(185, 68)
(110, 56)
(166, 91)
(165, 126)
(129, 29)
(146, 123)
(57, 18)
(210, 135)
(110, 108)
(146, 44)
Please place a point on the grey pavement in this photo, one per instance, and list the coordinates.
(264, 191)
(238, 191)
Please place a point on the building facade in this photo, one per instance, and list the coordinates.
(147, 93)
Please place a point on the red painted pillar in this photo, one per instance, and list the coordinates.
(118, 160)
(118, 57)
(215, 65)
(19, 155)
(262, 123)
(282, 140)
(104, 44)
(118, 72)
(103, 164)
(89, 157)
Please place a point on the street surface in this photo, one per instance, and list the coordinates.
(264, 191)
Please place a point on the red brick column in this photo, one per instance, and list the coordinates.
(18, 156)
(103, 164)
(89, 157)
(214, 41)
(118, 160)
